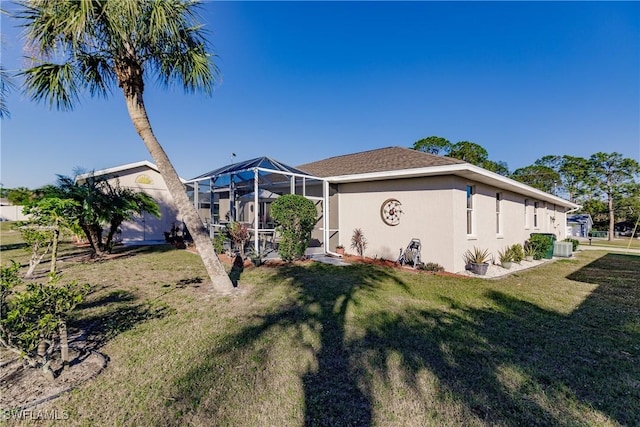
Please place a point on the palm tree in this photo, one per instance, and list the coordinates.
(92, 44)
(92, 207)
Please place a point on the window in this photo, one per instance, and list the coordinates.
(470, 192)
(536, 205)
(526, 217)
(498, 208)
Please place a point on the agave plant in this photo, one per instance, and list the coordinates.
(477, 256)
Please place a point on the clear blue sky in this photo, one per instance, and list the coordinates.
(306, 81)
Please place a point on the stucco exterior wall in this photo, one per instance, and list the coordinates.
(435, 211)
(426, 215)
(148, 227)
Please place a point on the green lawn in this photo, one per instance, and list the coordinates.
(314, 344)
(619, 243)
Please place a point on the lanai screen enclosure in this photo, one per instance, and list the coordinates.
(243, 191)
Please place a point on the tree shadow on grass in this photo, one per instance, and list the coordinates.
(514, 363)
(116, 312)
(319, 301)
(502, 362)
(12, 246)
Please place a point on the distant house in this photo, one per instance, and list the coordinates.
(11, 212)
(143, 176)
(579, 225)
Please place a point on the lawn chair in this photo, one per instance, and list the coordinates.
(411, 255)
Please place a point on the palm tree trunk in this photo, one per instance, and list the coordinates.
(113, 228)
(94, 239)
(219, 278)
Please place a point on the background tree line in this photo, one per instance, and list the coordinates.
(606, 185)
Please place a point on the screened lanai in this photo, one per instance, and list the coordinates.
(243, 192)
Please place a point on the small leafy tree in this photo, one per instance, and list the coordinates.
(34, 320)
(238, 233)
(39, 240)
(54, 215)
(295, 217)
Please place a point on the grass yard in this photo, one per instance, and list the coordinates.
(619, 243)
(315, 344)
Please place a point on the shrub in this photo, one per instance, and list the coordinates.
(218, 242)
(574, 243)
(541, 244)
(238, 233)
(358, 241)
(529, 250)
(295, 217)
(505, 255)
(476, 256)
(517, 252)
(37, 316)
(431, 266)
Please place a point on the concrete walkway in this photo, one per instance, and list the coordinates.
(326, 259)
(616, 249)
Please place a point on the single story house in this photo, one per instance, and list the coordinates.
(579, 225)
(393, 195)
(397, 194)
(143, 176)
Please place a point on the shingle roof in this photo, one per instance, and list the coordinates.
(379, 160)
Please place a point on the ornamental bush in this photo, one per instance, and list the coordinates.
(542, 243)
(295, 216)
(33, 321)
(517, 252)
(574, 243)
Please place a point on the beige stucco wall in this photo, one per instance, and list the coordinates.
(434, 211)
(148, 227)
(427, 215)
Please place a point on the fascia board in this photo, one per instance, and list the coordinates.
(464, 170)
(121, 168)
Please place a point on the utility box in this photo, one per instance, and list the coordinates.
(563, 249)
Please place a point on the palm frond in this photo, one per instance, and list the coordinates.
(56, 84)
(6, 84)
(101, 42)
(98, 73)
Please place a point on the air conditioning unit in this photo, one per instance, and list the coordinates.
(563, 249)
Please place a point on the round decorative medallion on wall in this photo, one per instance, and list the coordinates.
(390, 211)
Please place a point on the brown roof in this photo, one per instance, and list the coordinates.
(379, 160)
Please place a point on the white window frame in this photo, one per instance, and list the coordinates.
(499, 214)
(526, 214)
(470, 212)
(536, 219)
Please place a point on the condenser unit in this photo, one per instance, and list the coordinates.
(563, 249)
